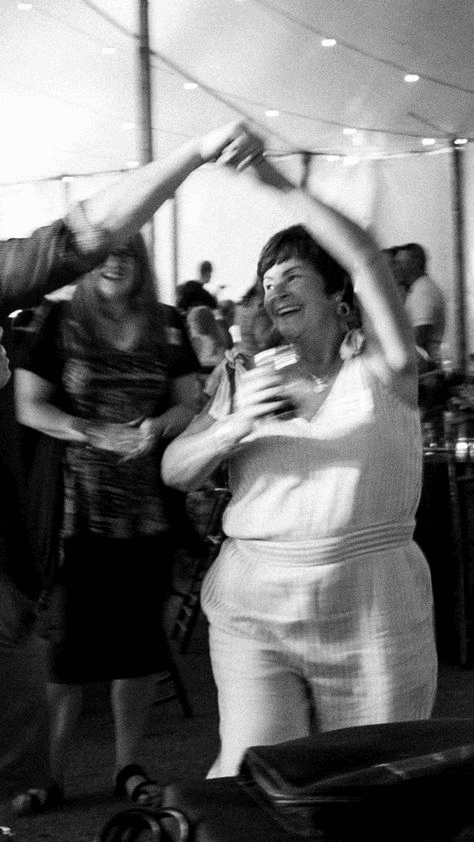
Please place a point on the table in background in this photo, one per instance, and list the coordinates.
(445, 533)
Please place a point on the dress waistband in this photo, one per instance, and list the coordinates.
(335, 549)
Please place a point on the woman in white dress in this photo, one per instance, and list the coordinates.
(319, 603)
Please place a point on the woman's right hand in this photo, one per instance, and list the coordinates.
(232, 145)
(260, 394)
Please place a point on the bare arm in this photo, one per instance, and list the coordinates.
(193, 456)
(389, 335)
(185, 396)
(34, 402)
(34, 399)
(123, 208)
(57, 254)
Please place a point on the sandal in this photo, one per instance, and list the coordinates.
(35, 801)
(146, 792)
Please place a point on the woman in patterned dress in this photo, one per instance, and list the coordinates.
(112, 374)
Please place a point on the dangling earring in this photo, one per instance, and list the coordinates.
(343, 310)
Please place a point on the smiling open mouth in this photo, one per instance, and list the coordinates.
(287, 311)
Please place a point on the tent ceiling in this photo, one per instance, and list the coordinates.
(66, 103)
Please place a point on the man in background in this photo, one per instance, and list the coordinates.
(424, 301)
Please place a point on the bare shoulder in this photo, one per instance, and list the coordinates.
(403, 383)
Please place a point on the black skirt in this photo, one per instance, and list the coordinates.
(112, 595)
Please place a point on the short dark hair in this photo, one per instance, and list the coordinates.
(296, 241)
(205, 267)
(418, 255)
(192, 294)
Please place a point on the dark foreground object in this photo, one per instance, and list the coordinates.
(412, 781)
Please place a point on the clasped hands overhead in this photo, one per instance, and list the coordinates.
(234, 145)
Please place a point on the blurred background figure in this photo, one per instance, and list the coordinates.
(192, 294)
(205, 272)
(257, 331)
(209, 336)
(424, 301)
(112, 375)
(227, 315)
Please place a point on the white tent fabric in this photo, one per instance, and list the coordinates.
(71, 107)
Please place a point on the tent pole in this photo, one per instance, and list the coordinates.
(306, 167)
(146, 138)
(459, 264)
(175, 235)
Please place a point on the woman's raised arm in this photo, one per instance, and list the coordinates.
(123, 208)
(387, 329)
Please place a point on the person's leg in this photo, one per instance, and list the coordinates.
(131, 699)
(65, 702)
(262, 700)
(385, 672)
(24, 722)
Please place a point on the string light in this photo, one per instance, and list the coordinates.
(411, 77)
(225, 98)
(190, 86)
(350, 160)
(460, 141)
(133, 164)
(328, 42)
(349, 131)
(272, 112)
(352, 47)
(428, 141)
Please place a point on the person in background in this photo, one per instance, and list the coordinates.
(52, 257)
(112, 375)
(227, 311)
(257, 331)
(205, 270)
(209, 337)
(191, 294)
(205, 322)
(424, 300)
(320, 603)
(194, 294)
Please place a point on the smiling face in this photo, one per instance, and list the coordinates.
(116, 276)
(296, 300)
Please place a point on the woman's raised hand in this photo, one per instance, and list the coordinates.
(232, 145)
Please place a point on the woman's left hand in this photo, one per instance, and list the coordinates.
(146, 434)
(124, 439)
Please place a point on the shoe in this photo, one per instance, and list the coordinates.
(35, 801)
(145, 793)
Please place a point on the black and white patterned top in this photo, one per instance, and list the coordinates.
(104, 494)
